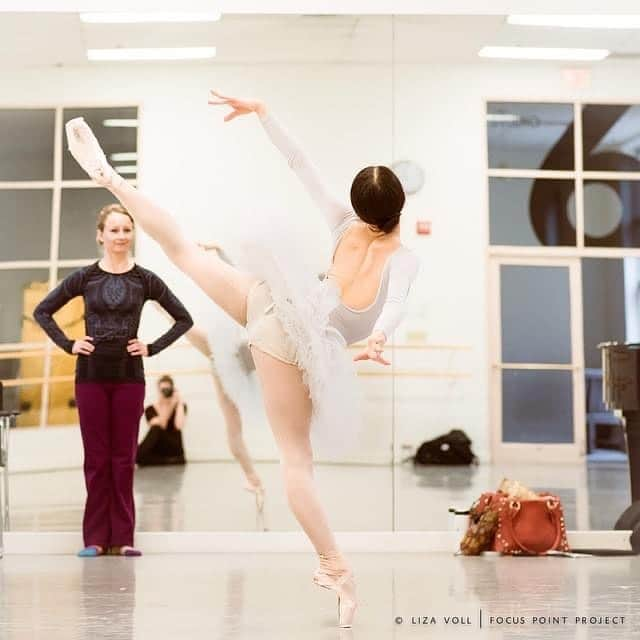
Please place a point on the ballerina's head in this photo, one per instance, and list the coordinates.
(377, 198)
(115, 229)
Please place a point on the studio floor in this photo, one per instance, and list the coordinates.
(264, 596)
(210, 497)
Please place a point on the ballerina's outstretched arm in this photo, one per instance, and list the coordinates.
(226, 285)
(335, 211)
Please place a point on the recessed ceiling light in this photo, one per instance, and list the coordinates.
(543, 53)
(119, 17)
(178, 53)
(577, 21)
(120, 122)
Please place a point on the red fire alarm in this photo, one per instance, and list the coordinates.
(423, 227)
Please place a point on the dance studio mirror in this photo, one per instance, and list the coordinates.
(531, 262)
(329, 80)
(528, 257)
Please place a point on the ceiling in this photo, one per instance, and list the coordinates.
(53, 39)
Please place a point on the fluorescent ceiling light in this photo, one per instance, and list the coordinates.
(181, 53)
(543, 53)
(118, 17)
(126, 168)
(503, 117)
(124, 156)
(578, 21)
(120, 122)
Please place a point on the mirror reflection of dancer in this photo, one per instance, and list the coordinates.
(110, 381)
(296, 341)
(223, 343)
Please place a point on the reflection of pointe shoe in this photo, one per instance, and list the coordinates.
(345, 588)
(259, 493)
(86, 150)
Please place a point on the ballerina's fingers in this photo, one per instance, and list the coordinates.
(377, 357)
(234, 114)
(215, 93)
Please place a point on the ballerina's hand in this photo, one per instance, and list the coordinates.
(373, 351)
(240, 107)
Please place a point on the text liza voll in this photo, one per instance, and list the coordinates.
(451, 620)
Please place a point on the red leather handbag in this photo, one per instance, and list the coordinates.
(515, 527)
(529, 527)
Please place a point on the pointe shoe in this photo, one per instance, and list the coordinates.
(345, 588)
(86, 150)
(259, 493)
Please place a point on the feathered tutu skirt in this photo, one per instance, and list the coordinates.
(303, 305)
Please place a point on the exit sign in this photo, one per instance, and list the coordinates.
(423, 227)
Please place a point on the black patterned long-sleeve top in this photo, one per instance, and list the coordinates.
(113, 304)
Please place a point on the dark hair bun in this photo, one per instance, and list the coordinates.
(378, 197)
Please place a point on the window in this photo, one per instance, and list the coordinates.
(48, 209)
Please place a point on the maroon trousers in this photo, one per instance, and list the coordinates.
(110, 415)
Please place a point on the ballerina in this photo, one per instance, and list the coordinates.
(296, 342)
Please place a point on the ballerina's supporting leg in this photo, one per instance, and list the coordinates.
(288, 409)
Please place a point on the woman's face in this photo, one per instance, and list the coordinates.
(166, 389)
(118, 233)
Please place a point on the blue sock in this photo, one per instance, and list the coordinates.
(91, 551)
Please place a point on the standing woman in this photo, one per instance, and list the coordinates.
(298, 342)
(110, 381)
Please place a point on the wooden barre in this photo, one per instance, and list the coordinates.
(24, 382)
(33, 352)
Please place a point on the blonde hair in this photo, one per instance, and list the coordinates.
(105, 212)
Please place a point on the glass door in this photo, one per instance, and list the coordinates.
(536, 352)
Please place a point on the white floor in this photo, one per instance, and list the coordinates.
(265, 596)
(210, 497)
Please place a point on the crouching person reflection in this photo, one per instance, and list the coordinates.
(166, 418)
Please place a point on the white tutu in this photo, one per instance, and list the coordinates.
(239, 381)
(303, 304)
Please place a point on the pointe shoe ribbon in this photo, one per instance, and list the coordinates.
(86, 150)
(346, 601)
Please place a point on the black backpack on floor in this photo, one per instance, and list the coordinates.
(452, 448)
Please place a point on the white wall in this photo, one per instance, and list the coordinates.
(216, 177)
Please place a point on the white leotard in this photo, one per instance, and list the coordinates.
(387, 310)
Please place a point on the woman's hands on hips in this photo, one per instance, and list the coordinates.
(83, 346)
(240, 107)
(137, 348)
(374, 349)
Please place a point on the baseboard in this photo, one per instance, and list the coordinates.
(46, 543)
